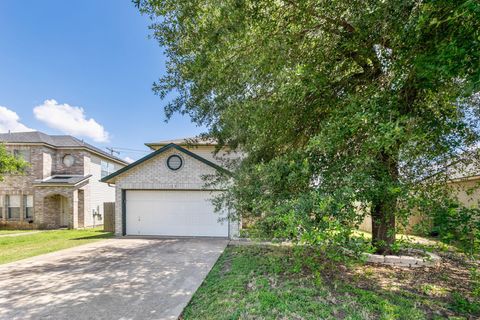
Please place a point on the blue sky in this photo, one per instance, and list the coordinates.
(91, 54)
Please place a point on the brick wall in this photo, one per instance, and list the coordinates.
(47, 207)
(21, 184)
(78, 166)
(154, 174)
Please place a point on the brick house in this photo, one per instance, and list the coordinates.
(61, 187)
(165, 192)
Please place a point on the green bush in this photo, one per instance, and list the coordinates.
(460, 226)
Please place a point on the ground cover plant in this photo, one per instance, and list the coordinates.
(275, 282)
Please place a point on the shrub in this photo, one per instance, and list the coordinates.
(460, 226)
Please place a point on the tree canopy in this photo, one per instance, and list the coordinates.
(9, 163)
(337, 104)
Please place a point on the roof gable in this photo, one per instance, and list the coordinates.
(160, 151)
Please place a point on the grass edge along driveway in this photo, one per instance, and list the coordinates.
(26, 246)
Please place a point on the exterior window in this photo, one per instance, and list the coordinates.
(22, 153)
(174, 162)
(28, 203)
(2, 204)
(68, 160)
(107, 168)
(13, 207)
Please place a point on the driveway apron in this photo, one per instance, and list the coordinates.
(111, 279)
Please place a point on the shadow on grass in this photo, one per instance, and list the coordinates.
(100, 235)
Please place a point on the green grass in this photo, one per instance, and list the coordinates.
(25, 246)
(254, 282)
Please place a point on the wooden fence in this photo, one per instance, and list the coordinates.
(109, 216)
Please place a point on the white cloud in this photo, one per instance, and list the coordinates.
(10, 121)
(70, 120)
(128, 159)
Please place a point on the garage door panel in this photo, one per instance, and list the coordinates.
(172, 213)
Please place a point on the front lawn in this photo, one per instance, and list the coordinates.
(24, 246)
(9, 231)
(255, 282)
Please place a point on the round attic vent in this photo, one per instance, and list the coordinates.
(68, 160)
(174, 162)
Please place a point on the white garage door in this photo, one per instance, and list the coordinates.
(172, 213)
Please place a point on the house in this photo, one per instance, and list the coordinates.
(165, 193)
(463, 179)
(61, 187)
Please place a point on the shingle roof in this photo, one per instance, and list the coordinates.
(70, 180)
(467, 166)
(192, 141)
(56, 141)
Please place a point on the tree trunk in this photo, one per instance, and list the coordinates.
(384, 208)
(383, 225)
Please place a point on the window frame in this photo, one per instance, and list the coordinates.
(2, 206)
(9, 208)
(28, 214)
(106, 168)
(174, 156)
(24, 154)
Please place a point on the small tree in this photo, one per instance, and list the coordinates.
(338, 104)
(9, 163)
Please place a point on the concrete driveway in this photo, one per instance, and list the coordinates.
(111, 279)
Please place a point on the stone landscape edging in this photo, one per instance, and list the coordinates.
(405, 261)
(431, 260)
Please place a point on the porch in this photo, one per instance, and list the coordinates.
(59, 207)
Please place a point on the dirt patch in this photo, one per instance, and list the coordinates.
(442, 283)
(226, 267)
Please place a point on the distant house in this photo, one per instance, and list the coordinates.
(61, 187)
(463, 179)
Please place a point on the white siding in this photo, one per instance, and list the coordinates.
(207, 152)
(98, 192)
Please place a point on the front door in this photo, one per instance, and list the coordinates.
(64, 221)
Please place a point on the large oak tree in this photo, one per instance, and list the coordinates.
(337, 104)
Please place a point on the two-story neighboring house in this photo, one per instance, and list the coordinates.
(61, 187)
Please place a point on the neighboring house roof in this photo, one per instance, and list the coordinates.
(466, 168)
(55, 141)
(192, 141)
(62, 180)
(159, 151)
